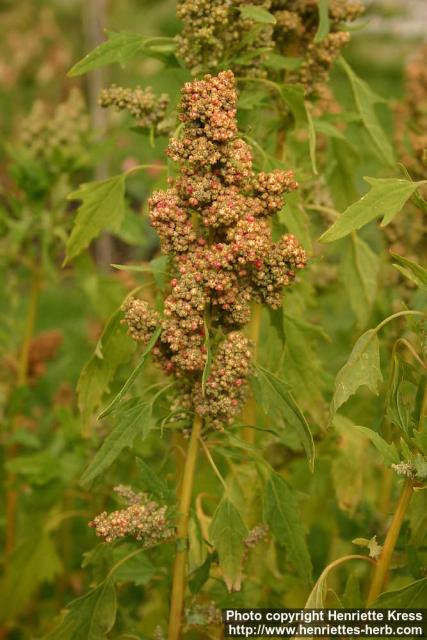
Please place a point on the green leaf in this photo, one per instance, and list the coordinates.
(387, 450)
(201, 574)
(347, 466)
(385, 198)
(311, 138)
(133, 419)
(90, 617)
(323, 28)
(360, 275)
(249, 57)
(412, 270)
(118, 398)
(138, 569)
(296, 220)
(103, 205)
(160, 269)
(317, 597)
(157, 487)
(293, 95)
(362, 368)
(249, 99)
(120, 47)
(227, 532)
(397, 411)
(412, 596)
(342, 162)
(277, 401)
(281, 513)
(113, 348)
(257, 14)
(365, 100)
(33, 562)
(328, 129)
(278, 62)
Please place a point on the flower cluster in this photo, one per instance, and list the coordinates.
(203, 614)
(297, 22)
(213, 222)
(258, 534)
(143, 519)
(147, 109)
(59, 140)
(214, 29)
(227, 382)
(140, 319)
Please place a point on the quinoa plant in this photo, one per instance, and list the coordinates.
(245, 454)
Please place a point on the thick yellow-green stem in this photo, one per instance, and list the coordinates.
(179, 578)
(383, 565)
(21, 380)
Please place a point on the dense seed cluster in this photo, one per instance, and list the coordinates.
(215, 29)
(140, 319)
(213, 222)
(256, 535)
(297, 22)
(59, 141)
(143, 520)
(227, 383)
(212, 29)
(203, 614)
(147, 109)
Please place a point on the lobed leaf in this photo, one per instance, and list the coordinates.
(103, 205)
(360, 275)
(118, 398)
(411, 270)
(293, 95)
(385, 198)
(134, 419)
(365, 100)
(362, 368)
(281, 513)
(317, 597)
(120, 47)
(152, 482)
(387, 450)
(228, 532)
(34, 562)
(278, 402)
(257, 14)
(113, 349)
(413, 596)
(396, 410)
(90, 617)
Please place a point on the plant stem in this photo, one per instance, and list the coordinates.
(383, 565)
(179, 568)
(21, 381)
